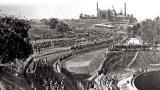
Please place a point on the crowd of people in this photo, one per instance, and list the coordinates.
(49, 83)
(91, 46)
(105, 81)
(110, 82)
(139, 71)
(129, 47)
(39, 46)
(45, 76)
(44, 36)
(45, 73)
(56, 43)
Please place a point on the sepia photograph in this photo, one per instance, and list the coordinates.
(79, 45)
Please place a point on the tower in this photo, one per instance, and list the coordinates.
(97, 11)
(125, 9)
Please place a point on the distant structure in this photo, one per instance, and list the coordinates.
(111, 15)
(134, 40)
(2, 15)
(97, 11)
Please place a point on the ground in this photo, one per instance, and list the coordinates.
(85, 63)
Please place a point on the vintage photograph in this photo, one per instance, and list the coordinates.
(79, 45)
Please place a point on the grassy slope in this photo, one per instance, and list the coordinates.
(145, 58)
(118, 61)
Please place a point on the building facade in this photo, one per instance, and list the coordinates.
(111, 15)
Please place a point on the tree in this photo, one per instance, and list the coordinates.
(157, 18)
(62, 27)
(136, 28)
(14, 42)
(45, 21)
(150, 30)
(129, 30)
(53, 22)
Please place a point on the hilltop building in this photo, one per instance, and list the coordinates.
(111, 15)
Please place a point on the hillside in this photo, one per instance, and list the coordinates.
(147, 59)
(117, 61)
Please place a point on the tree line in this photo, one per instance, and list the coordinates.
(148, 30)
(14, 42)
(58, 25)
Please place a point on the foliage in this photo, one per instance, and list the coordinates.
(13, 39)
(58, 25)
(53, 22)
(62, 27)
(150, 30)
(19, 26)
(136, 28)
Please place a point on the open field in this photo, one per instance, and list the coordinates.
(84, 63)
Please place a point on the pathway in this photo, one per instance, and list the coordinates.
(133, 59)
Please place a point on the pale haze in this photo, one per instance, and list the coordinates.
(68, 9)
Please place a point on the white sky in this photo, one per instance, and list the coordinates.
(67, 9)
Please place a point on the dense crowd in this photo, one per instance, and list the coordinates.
(44, 73)
(139, 72)
(73, 42)
(39, 46)
(79, 33)
(129, 47)
(44, 77)
(56, 43)
(105, 81)
(91, 46)
(45, 36)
